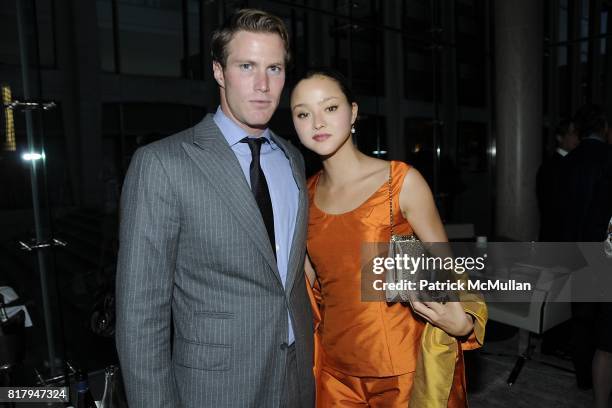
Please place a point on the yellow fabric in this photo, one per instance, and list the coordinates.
(433, 379)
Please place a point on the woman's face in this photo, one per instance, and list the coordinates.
(321, 114)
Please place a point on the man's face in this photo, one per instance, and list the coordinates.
(252, 80)
(570, 140)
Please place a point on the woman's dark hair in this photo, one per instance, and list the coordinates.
(334, 76)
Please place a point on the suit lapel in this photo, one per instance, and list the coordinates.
(296, 254)
(211, 153)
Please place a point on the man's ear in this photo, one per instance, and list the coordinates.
(218, 74)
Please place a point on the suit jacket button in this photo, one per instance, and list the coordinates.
(284, 346)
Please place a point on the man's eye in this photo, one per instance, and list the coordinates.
(332, 108)
(302, 115)
(276, 69)
(245, 67)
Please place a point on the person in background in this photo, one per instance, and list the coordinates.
(586, 211)
(548, 181)
(549, 195)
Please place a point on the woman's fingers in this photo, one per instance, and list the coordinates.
(424, 311)
(449, 317)
(436, 306)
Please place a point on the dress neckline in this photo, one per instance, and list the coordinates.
(314, 195)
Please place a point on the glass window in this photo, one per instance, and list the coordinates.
(195, 58)
(9, 43)
(46, 32)
(417, 19)
(367, 52)
(420, 145)
(419, 74)
(418, 51)
(151, 37)
(357, 45)
(603, 30)
(471, 61)
(371, 136)
(584, 30)
(38, 20)
(106, 38)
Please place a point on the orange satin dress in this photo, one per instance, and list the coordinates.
(365, 352)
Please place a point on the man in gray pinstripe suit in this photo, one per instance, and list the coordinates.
(212, 308)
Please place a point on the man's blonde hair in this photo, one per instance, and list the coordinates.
(251, 20)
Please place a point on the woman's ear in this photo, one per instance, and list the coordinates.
(354, 111)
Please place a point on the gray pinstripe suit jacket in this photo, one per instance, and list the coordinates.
(201, 310)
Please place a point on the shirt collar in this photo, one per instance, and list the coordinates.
(562, 152)
(234, 133)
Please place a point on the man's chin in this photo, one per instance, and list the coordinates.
(260, 121)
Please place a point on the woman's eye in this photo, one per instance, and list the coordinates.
(332, 108)
(301, 115)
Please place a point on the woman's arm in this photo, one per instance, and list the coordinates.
(418, 207)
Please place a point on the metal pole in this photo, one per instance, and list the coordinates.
(23, 53)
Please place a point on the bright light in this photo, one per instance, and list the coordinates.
(377, 152)
(32, 156)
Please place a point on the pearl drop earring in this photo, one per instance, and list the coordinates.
(353, 129)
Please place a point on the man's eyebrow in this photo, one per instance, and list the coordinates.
(247, 61)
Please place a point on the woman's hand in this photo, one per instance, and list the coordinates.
(449, 317)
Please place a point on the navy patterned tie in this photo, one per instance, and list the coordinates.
(259, 187)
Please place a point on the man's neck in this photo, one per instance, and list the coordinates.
(250, 131)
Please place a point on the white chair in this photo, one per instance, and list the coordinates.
(547, 306)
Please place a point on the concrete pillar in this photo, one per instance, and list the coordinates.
(518, 89)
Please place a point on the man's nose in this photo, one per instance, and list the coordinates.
(262, 82)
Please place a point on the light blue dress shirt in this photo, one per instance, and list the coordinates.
(281, 184)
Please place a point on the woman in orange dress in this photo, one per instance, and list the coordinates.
(372, 353)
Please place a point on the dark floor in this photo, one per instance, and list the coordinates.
(544, 382)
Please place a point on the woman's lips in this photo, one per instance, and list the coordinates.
(319, 137)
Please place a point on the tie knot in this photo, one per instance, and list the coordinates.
(254, 143)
